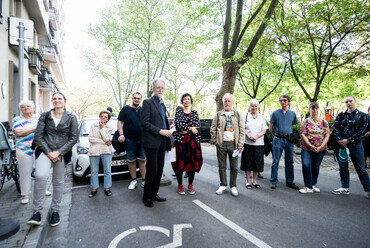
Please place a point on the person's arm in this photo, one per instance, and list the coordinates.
(121, 137)
(271, 128)
(40, 134)
(213, 130)
(359, 133)
(181, 126)
(20, 131)
(241, 133)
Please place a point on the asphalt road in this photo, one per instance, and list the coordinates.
(256, 218)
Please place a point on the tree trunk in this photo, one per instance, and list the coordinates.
(230, 70)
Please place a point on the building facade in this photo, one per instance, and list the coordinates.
(42, 72)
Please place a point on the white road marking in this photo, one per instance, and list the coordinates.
(177, 236)
(79, 187)
(156, 228)
(116, 240)
(259, 243)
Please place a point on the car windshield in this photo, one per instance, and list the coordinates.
(86, 125)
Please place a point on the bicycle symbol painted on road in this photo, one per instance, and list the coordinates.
(177, 234)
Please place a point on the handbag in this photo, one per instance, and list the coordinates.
(118, 146)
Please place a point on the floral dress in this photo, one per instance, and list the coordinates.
(315, 131)
(188, 149)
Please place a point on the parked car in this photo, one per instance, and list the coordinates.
(205, 128)
(80, 157)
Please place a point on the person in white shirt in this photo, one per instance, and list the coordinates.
(252, 156)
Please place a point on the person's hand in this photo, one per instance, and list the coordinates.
(240, 148)
(54, 156)
(255, 138)
(108, 143)
(121, 138)
(367, 134)
(101, 124)
(194, 130)
(183, 132)
(343, 143)
(165, 132)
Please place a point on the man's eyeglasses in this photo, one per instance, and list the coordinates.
(283, 100)
(348, 101)
(104, 116)
(136, 98)
(159, 88)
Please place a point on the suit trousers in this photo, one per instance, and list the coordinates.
(154, 169)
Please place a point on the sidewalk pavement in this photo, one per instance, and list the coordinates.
(27, 237)
(31, 237)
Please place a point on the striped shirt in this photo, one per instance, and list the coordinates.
(24, 143)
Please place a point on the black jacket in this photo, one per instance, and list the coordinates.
(49, 138)
(151, 123)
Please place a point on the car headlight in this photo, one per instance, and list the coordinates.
(82, 150)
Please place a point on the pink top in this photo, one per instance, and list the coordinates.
(315, 131)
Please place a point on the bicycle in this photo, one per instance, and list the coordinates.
(8, 161)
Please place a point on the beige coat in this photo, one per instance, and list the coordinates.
(98, 137)
(218, 127)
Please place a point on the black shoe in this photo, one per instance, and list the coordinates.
(148, 203)
(273, 185)
(292, 185)
(260, 176)
(54, 219)
(35, 220)
(158, 198)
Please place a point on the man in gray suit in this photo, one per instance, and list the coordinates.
(155, 139)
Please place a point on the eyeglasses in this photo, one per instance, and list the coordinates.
(136, 98)
(348, 101)
(283, 100)
(159, 88)
(103, 116)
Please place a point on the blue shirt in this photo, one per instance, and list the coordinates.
(283, 122)
(163, 113)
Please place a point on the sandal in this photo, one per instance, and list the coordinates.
(93, 193)
(248, 186)
(256, 185)
(108, 192)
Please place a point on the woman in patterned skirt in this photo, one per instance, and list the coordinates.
(187, 142)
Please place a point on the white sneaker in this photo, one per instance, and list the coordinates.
(316, 189)
(306, 190)
(234, 191)
(221, 190)
(25, 199)
(341, 191)
(47, 193)
(132, 184)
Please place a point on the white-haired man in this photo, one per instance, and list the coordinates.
(227, 132)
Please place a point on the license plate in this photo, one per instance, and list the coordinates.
(119, 162)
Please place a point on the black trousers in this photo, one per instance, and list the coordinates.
(154, 170)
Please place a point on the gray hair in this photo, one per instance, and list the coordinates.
(27, 102)
(158, 79)
(226, 96)
(254, 102)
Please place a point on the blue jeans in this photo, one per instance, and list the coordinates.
(278, 146)
(311, 162)
(94, 167)
(356, 152)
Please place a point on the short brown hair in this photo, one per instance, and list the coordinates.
(105, 112)
(313, 105)
(285, 96)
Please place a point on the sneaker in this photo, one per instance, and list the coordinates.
(54, 219)
(316, 189)
(191, 190)
(181, 190)
(341, 191)
(132, 184)
(234, 191)
(35, 219)
(221, 190)
(273, 185)
(47, 193)
(305, 190)
(292, 185)
(143, 183)
(25, 199)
